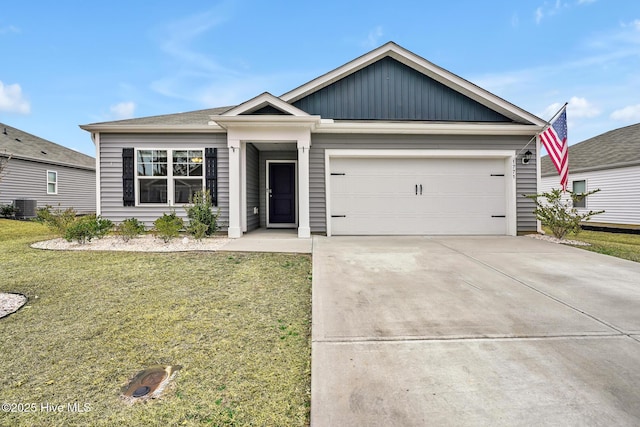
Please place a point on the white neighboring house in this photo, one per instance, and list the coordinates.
(40, 173)
(610, 162)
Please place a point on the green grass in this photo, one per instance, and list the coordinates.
(239, 324)
(626, 246)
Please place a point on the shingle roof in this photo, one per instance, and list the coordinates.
(614, 149)
(199, 117)
(23, 145)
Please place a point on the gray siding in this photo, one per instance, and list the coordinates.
(264, 156)
(253, 187)
(111, 146)
(25, 179)
(390, 90)
(525, 180)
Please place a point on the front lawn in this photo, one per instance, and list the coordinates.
(239, 324)
(626, 246)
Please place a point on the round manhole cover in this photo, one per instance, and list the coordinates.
(141, 391)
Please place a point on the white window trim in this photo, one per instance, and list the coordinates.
(586, 190)
(52, 182)
(170, 178)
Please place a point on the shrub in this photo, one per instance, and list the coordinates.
(85, 228)
(8, 211)
(57, 220)
(167, 226)
(130, 228)
(202, 220)
(559, 214)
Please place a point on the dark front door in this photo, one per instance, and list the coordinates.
(282, 193)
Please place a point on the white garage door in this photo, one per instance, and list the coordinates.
(414, 196)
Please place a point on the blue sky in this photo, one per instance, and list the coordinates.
(67, 63)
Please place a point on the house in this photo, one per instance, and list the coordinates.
(610, 162)
(40, 173)
(388, 143)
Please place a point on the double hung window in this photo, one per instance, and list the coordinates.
(168, 177)
(52, 182)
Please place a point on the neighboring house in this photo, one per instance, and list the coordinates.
(45, 173)
(610, 162)
(388, 143)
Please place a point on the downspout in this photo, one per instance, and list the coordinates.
(95, 137)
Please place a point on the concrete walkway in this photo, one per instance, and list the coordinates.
(479, 331)
(270, 240)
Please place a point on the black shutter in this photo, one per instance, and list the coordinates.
(211, 173)
(128, 187)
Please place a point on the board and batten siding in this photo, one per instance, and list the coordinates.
(619, 194)
(253, 187)
(390, 90)
(525, 178)
(111, 146)
(24, 179)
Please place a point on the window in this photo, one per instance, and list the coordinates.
(580, 187)
(52, 182)
(169, 176)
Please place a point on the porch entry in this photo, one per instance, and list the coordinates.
(281, 194)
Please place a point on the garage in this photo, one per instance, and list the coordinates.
(421, 195)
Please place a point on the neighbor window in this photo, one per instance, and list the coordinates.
(52, 182)
(169, 176)
(580, 187)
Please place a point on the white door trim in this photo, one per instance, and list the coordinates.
(509, 157)
(266, 194)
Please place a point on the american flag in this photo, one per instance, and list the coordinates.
(554, 138)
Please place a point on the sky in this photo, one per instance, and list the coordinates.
(67, 63)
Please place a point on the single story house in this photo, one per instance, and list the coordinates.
(38, 173)
(387, 144)
(609, 162)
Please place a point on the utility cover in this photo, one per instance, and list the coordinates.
(149, 383)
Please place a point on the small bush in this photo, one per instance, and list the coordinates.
(8, 211)
(85, 228)
(559, 214)
(130, 228)
(167, 226)
(57, 220)
(202, 220)
(198, 230)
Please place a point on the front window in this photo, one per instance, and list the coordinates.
(580, 187)
(169, 176)
(52, 182)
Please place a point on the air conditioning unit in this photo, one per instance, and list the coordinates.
(25, 208)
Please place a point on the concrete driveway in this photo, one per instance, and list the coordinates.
(415, 331)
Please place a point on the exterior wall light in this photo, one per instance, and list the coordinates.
(526, 157)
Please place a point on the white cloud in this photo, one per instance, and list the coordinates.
(12, 99)
(586, 1)
(373, 39)
(9, 29)
(539, 15)
(629, 113)
(123, 110)
(580, 107)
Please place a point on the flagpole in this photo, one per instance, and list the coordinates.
(557, 113)
(548, 124)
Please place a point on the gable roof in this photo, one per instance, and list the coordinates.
(423, 66)
(617, 148)
(199, 121)
(22, 145)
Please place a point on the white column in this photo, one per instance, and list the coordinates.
(304, 229)
(234, 230)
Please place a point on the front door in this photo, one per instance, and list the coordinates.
(281, 194)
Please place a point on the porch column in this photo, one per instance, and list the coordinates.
(234, 230)
(304, 229)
